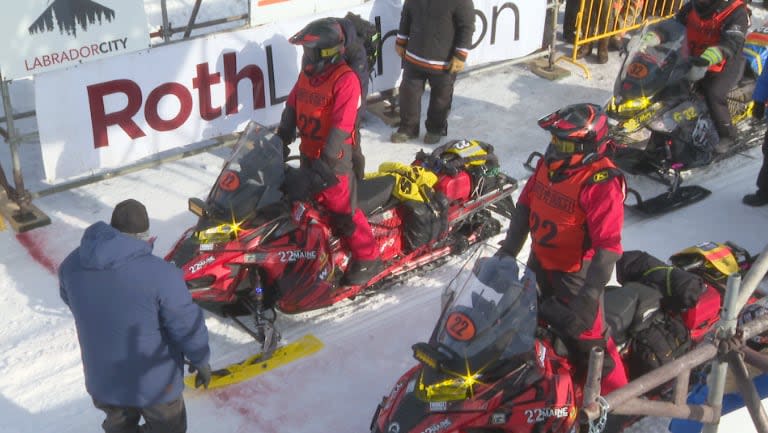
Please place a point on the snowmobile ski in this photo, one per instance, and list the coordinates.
(255, 365)
(666, 202)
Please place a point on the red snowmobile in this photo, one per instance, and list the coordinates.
(254, 251)
(489, 366)
(660, 122)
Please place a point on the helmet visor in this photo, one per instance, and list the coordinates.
(311, 55)
(564, 146)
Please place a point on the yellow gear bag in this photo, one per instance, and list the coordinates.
(409, 180)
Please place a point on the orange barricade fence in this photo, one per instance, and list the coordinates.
(603, 19)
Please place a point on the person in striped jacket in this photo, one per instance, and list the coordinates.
(434, 39)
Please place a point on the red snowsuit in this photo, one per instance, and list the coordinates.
(326, 109)
(571, 215)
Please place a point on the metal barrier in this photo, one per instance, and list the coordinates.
(16, 202)
(600, 20)
(726, 348)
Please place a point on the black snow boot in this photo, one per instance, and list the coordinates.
(360, 272)
(728, 139)
(757, 199)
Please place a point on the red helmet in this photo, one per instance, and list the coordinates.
(576, 129)
(323, 42)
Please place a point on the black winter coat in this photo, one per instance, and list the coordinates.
(434, 31)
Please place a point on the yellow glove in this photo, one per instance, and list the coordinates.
(400, 50)
(713, 55)
(456, 66)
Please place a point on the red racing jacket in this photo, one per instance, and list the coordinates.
(323, 103)
(703, 33)
(572, 216)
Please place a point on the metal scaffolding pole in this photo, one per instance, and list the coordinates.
(17, 207)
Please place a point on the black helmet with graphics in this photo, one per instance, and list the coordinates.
(576, 129)
(323, 43)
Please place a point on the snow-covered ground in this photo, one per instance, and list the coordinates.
(367, 341)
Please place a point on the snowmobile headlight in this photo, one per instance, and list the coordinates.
(633, 105)
(452, 389)
(221, 233)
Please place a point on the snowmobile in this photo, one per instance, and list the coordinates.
(255, 251)
(490, 366)
(661, 121)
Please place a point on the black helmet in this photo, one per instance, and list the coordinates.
(705, 8)
(576, 129)
(323, 42)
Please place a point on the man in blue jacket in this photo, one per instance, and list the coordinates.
(760, 96)
(136, 322)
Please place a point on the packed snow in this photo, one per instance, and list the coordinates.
(367, 340)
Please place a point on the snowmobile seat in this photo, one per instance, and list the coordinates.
(627, 307)
(375, 193)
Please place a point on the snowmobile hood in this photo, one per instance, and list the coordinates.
(104, 247)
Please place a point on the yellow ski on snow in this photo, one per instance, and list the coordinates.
(254, 366)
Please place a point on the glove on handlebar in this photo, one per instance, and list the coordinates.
(651, 38)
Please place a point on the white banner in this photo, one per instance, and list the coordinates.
(42, 35)
(272, 11)
(107, 114)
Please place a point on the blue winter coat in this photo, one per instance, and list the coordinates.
(135, 319)
(760, 93)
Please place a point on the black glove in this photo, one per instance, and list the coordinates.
(572, 319)
(343, 224)
(297, 184)
(203, 377)
(758, 111)
(323, 175)
(287, 129)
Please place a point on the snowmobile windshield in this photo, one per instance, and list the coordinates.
(656, 58)
(250, 179)
(488, 321)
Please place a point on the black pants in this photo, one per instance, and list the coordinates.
(358, 159)
(762, 177)
(161, 418)
(716, 86)
(440, 99)
(569, 19)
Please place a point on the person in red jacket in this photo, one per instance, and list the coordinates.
(324, 104)
(716, 31)
(573, 208)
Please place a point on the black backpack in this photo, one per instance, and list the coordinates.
(659, 341)
(370, 37)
